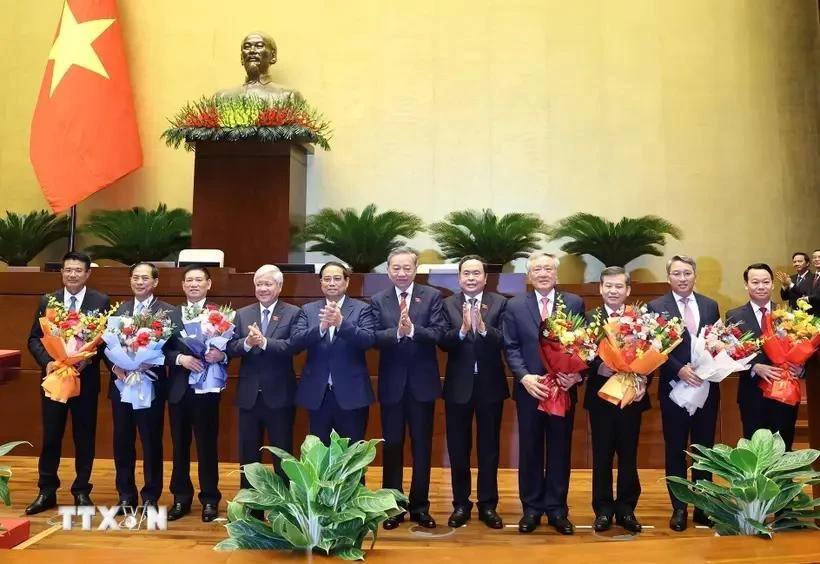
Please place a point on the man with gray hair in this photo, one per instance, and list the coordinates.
(679, 428)
(409, 322)
(266, 339)
(543, 477)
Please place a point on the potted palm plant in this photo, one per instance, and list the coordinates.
(497, 240)
(324, 508)
(614, 244)
(138, 234)
(23, 237)
(763, 489)
(362, 240)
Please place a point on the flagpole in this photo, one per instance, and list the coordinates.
(72, 227)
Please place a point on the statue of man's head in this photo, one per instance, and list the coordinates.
(258, 54)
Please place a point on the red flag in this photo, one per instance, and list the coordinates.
(84, 132)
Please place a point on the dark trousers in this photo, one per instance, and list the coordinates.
(198, 413)
(757, 412)
(350, 423)
(83, 409)
(150, 423)
(459, 418)
(544, 450)
(615, 430)
(252, 426)
(680, 428)
(418, 416)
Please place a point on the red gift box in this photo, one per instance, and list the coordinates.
(15, 531)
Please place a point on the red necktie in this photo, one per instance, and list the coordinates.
(403, 302)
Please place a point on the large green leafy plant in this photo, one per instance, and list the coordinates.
(5, 471)
(138, 234)
(764, 491)
(23, 237)
(496, 240)
(363, 240)
(325, 507)
(614, 244)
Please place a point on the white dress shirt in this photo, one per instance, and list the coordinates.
(79, 295)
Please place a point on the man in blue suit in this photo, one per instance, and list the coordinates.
(543, 485)
(266, 339)
(679, 427)
(335, 383)
(409, 321)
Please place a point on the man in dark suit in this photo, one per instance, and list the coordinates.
(266, 339)
(543, 478)
(798, 284)
(757, 412)
(409, 322)
(192, 412)
(679, 427)
(814, 294)
(127, 420)
(335, 383)
(83, 408)
(614, 429)
(475, 386)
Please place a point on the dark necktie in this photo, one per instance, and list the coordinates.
(473, 313)
(265, 320)
(72, 304)
(403, 302)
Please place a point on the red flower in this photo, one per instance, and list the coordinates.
(215, 318)
(212, 307)
(673, 335)
(156, 325)
(91, 326)
(224, 326)
(128, 331)
(662, 321)
(158, 334)
(143, 339)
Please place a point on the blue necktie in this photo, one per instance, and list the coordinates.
(139, 308)
(265, 320)
(72, 305)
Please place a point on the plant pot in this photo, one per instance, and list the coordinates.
(22, 269)
(494, 268)
(16, 531)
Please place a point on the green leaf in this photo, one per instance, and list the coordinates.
(313, 452)
(349, 553)
(745, 460)
(264, 480)
(301, 474)
(5, 494)
(766, 489)
(236, 511)
(795, 460)
(7, 447)
(374, 502)
(281, 454)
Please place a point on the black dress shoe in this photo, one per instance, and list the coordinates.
(699, 517)
(178, 510)
(83, 500)
(562, 525)
(392, 522)
(678, 520)
(43, 502)
(491, 518)
(630, 523)
(209, 512)
(459, 517)
(126, 506)
(528, 523)
(602, 523)
(424, 519)
(150, 503)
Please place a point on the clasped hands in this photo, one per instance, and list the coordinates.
(330, 316)
(774, 373)
(405, 325)
(467, 313)
(122, 374)
(539, 389)
(193, 364)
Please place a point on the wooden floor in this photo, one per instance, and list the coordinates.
(474, 541)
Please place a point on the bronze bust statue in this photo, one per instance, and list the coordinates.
(258, 54)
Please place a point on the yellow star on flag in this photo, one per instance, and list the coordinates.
(73, 46)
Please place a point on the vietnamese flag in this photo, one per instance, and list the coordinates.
(84, 132)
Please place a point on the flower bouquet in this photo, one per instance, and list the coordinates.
(134, 341)
(207, 328)
(69, 337)
(567, 346)
(790, 336)
(718, 351)
(635, 345)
